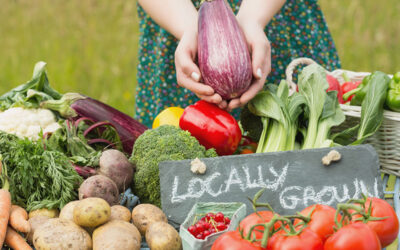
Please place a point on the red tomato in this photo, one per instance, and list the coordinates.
(353, 236)
(232, 240)
(386, 229)
(307, 239)
(322, 219)
(253, 219)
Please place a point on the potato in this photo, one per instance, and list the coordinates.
(99, 186)
(161, 235)
(35, 222)
(59, 234)
(51, 213)
(92, 212)
(145, 214)
(119, 212)
(67, 212)
(117, 234)
(115, 165)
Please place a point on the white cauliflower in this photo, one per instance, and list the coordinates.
(28, 122)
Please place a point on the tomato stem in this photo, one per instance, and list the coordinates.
(267, 232)
(305, 219)
(255, 204)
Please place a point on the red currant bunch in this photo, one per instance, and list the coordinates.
(209, 224)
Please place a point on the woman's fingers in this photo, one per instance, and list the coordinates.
(196, 87)
(261, 58)
(234, 103)
(223, 104)
(215, 98)
(255, 87)
(187, 73)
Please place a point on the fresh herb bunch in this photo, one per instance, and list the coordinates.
(38, 178)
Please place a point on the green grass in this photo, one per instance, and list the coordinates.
(366, 33)
(91, 46)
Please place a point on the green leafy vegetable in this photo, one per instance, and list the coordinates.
(305, 119)
(331, 116)
(313, 86)
(73, 139)
(30, 94)
(274, 117)
(372, 108)
(38, 178)
(251, 124)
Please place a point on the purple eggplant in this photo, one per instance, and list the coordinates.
(73, 105)
(223, 54)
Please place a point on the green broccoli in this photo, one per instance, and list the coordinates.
(251, 124)
(165, 143)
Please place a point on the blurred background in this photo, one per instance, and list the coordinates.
(91, 46)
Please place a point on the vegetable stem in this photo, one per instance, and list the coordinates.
(311, 132)
(63, 106)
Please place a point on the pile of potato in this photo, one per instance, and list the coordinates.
(93, 223)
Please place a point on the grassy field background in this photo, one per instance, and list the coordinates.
(91, 46)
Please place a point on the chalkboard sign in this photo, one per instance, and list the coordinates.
(292, 180)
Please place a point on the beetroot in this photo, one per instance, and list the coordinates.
(223, 54)
(99, 186)
(115, 165)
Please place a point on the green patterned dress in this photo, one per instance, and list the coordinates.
(298, 30)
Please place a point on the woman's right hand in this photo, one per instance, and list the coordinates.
(188, 73)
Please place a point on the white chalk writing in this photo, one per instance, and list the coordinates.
(197, 187)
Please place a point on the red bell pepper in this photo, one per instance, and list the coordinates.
(349, 85)
(212, 127)
(333, 86)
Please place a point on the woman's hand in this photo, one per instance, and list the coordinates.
(187, 72)
(260, 51)
(189, 76)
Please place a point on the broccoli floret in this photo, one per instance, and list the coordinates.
(251, 124)
(165, 143)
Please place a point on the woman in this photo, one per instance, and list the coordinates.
(277, 31)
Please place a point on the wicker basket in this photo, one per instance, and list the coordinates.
(386, 140)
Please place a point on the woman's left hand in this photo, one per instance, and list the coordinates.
(260, 51)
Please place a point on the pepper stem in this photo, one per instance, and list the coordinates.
(351, 92)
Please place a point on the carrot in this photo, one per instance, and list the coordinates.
(16, 241)
(5, 204)
(19, 219)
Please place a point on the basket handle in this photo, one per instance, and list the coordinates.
(290, 69)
